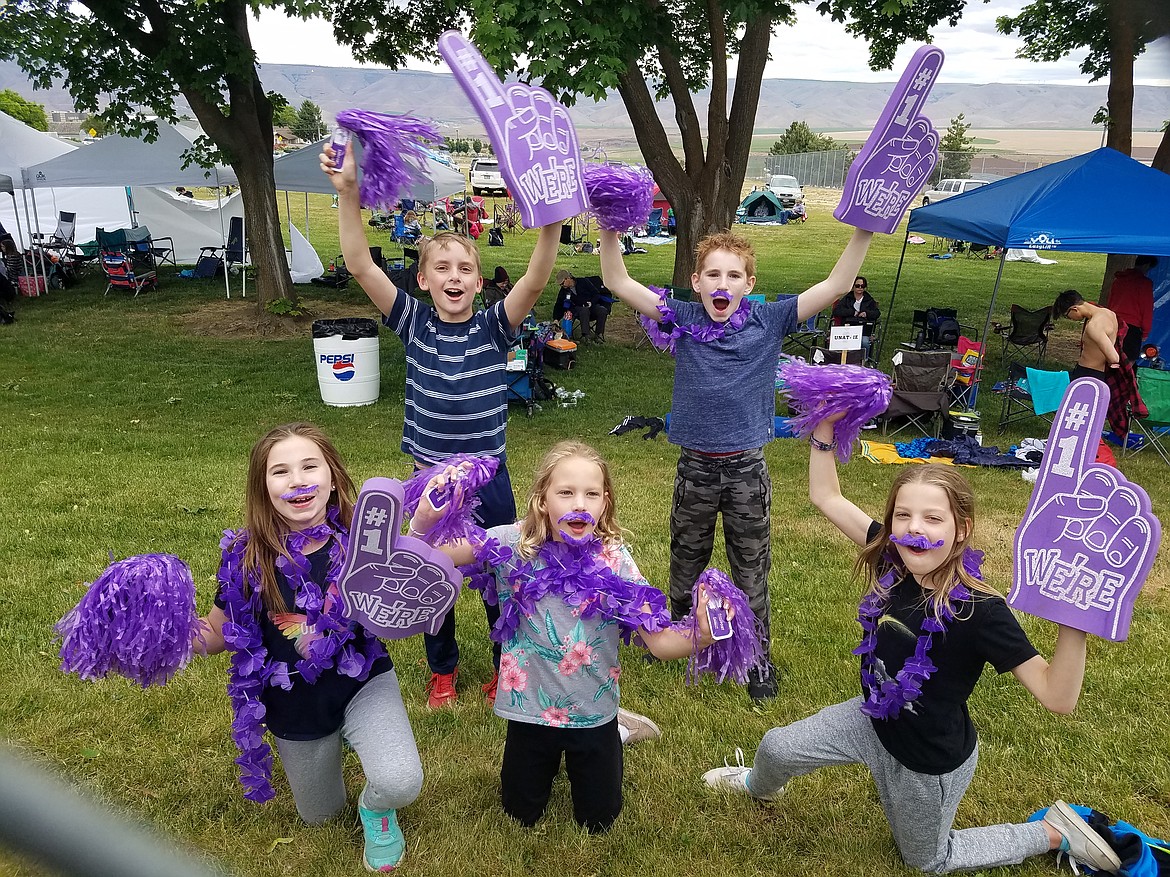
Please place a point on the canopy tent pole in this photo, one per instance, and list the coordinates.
(223, 234)
(890, 307)
(130, 204)
(306, 215)
(37, 263)
(244, 254)
(987, 322)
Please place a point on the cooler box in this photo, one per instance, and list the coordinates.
(346, 353)
(560, 353)
(957, 424)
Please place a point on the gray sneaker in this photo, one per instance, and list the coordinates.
(1084, 845)
(638, 727)
(734, 778)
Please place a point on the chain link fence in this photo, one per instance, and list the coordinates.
(827, 169)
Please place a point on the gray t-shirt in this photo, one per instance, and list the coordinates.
(560, 670)
(724, 396)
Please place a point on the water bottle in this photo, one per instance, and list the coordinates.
(341, 138)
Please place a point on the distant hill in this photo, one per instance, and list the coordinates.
(823, 105)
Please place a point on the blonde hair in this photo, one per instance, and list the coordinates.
(265, 527)
(877, 557)
(535, 530)
(443, 240)
(732, 243)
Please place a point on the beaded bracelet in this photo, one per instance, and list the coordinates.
(822, 446)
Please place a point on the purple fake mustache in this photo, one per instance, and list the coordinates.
(919, 543)
(297, 492)
(576, 518)
(721, 294)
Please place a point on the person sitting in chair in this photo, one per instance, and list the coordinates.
(858, 308)
(411, 228)
(496, 287)
(587, 298)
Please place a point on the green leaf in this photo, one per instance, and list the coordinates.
(88, 752)
(278, 841)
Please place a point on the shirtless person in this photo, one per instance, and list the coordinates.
(1099, 341)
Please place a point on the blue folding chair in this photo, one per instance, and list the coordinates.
(654, 223)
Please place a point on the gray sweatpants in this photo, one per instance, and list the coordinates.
(920, 807)
(376, 726)
(737, 487)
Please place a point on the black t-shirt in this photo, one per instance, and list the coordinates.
(306, 712)
(934, 734)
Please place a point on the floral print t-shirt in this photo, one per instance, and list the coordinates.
(560, 670)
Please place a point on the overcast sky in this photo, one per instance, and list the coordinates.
(814, 48)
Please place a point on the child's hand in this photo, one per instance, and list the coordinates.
(441, 491)
(344, 178)
(704, 623)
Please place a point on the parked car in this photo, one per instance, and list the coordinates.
(786, 189)
(946, 188)
(486, 177)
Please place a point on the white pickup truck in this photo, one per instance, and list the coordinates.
(946, 188)
(486, 177)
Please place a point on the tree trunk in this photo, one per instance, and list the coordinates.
(1122, 36)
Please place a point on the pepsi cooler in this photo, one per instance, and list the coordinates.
(346, 353)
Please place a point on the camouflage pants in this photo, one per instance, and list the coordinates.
(739, 488)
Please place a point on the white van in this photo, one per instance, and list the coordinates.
(786, 189)
(486, 177)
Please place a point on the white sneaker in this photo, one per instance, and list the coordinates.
(638, 727)
(734, 778)
(1085, 846)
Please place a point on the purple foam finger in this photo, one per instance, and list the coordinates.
(137, 619)
(620, 196)
(816, 392)
(1088, 537)
(531, 133)
(393, 153)
(394, 586)
(899, 155)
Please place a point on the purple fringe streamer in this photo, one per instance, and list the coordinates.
(620, 196)
(137, 619)
(733, 657)
(457, 521)
(819, 391)
(393, 155)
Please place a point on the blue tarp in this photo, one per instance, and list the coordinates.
(1100, 202)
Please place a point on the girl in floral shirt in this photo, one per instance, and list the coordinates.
(559, 670)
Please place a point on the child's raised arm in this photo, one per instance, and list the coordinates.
(824, 488)
(525, 291)
(840, 280)
(211, 626)
(354, 246)
(669, 644)
(617, 279)
(1057, 685)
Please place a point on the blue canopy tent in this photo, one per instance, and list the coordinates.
(1050, 208)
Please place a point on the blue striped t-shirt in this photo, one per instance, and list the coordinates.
(456, 383)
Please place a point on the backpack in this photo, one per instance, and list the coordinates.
(496, 237)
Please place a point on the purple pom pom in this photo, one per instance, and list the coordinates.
(820, 391)
(457, 520)
(137, 620)
(619, 195)
(733, 657)
(393, 155)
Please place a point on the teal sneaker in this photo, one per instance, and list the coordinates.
(385, 846)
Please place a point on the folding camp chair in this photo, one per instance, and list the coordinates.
(507, 218)
(654, 223)
(121, 273)
(964, 368)
(61, 239)
(806, 337)
(1030, 392)
(679, 293)
(920, 390)
(571, 240)
(1154, 429)
(1028, 330)
(159, 250)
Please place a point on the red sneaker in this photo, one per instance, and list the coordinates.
(489, 689)
(441, 689)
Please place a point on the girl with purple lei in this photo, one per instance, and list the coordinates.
(299, 668)
(929, 625)
(568, 592)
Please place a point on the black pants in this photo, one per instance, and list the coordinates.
(593, 761)
(595, 313)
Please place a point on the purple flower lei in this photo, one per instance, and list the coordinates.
(339, 645)
(887, 699)
(574, 572)
(664, 334)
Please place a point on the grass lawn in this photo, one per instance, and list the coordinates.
(126, 424)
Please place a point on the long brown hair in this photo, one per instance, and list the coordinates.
(265, 527)
(878, 556)
(535, 530)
